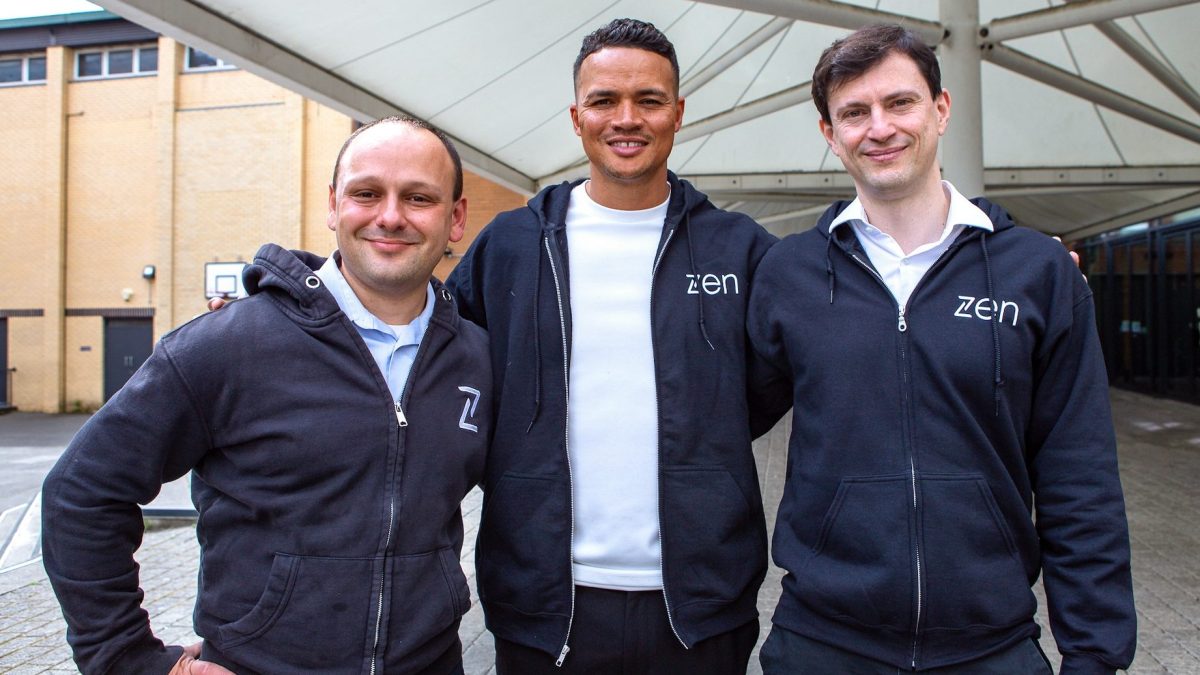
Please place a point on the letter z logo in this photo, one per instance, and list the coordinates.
(469, 407)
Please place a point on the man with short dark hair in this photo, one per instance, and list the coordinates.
(951, 437)
(622, 527)
(333, 421)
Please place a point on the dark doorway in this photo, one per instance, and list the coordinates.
(1146, 288)
(4, 402)
(127, 344)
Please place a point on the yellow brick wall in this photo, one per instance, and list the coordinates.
(23, 278)
(26, 335)
(484, 200)
(110, 182)
(85, 369)
(250, 162)
(326, 131)
(237, 176)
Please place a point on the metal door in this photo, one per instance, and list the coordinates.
(127, 344)
(1176, 344)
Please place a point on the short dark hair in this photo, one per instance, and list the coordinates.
(628, 33)
(861, 50)
(417, 124)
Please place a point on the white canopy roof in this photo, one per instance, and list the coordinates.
(1088, 112)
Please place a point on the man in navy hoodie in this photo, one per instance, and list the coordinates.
(951, 435)
(622, 527)
(333, 422)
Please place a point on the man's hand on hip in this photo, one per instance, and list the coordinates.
(190, 664)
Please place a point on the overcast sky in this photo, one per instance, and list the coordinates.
(12, 9)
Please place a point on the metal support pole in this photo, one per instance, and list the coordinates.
(962, 149)
(1090, 91)
(1161, 71)
(739, 51)
(1079, 13)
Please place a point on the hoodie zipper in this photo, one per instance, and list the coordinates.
(401, 424)
(658, 407)
(902, 327)
(562, 323)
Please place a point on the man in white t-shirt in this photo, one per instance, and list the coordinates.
(622, 526)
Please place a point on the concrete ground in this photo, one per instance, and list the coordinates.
(1159, 444)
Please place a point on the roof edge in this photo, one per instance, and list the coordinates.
(58, 19)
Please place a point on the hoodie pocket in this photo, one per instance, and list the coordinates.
(314, 614)
(861, 568)
(523, 555)
(973, 575)
(428, 593)
(713, 539)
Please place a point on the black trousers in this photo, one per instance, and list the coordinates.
(788, 653)
(627, 633)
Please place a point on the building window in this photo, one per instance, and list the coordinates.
(121, 61)
(22, 69)
(198, 60)
(148, 60)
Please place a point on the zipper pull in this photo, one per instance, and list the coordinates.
(562, 656)
(901, 325)
(400, 418)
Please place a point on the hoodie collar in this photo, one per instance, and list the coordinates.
(331, 274)
(551, 204)
(962, 212)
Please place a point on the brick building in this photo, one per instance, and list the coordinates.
(129, 165)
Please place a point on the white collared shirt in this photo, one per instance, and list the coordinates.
(900, 271)
(394, 348)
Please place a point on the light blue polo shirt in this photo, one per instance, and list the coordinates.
(394, 348)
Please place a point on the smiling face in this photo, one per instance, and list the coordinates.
(884, 126)
(627, 110)
(393, 211)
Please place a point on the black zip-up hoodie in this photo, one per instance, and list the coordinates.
(330, 530)
(922, 439)
(514, 282)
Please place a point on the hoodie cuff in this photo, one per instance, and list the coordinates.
(1083, 664)
(147, 660)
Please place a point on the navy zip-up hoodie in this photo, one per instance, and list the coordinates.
(330, 532)
(514, 281)
(921, 442)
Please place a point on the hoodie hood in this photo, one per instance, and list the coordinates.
(1000, 219)
(292, 274)
(550, 205)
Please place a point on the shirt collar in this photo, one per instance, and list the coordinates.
(962, 212)
(331, 275)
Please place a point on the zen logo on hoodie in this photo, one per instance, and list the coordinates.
(713, 284)
(987, 309)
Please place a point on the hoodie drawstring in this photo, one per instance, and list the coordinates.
(997, 380)
(829, 265)
(537, 346)
(687, 232)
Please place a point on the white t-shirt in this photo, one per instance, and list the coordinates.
(612, 429)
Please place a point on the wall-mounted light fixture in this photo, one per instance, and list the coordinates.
(148, 272)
